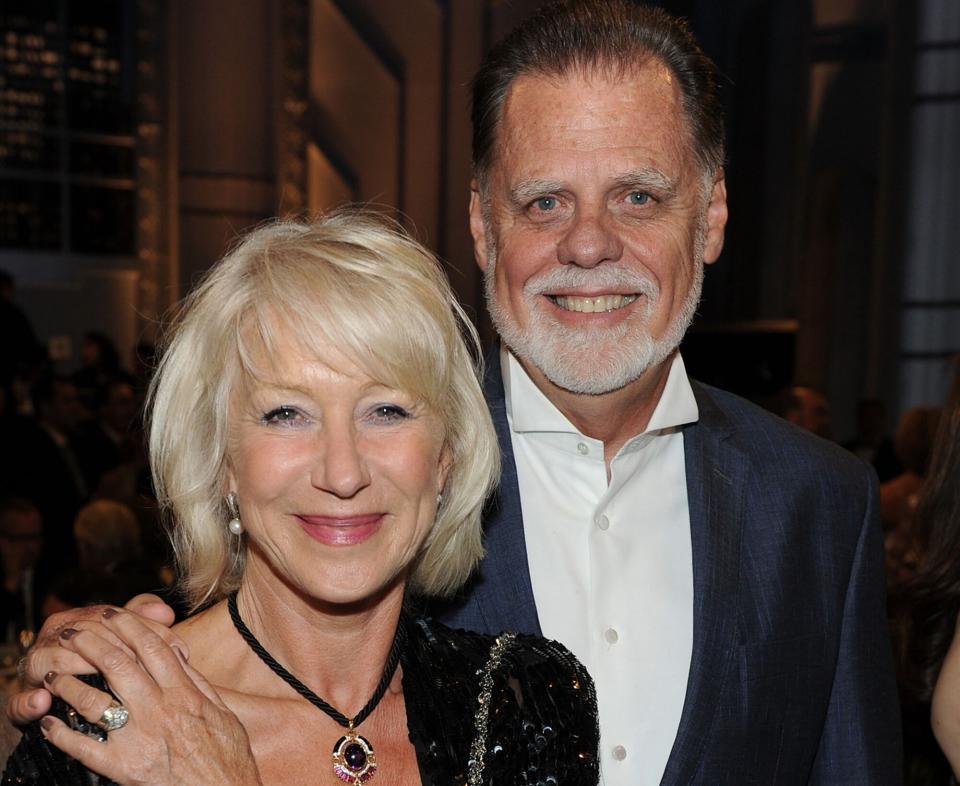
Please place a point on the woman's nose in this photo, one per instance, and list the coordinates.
(341, 468)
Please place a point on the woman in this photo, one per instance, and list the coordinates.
(322, 446)
(924, 611)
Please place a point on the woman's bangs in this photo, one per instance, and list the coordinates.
(330, 319)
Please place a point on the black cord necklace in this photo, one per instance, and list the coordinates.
(353, 758)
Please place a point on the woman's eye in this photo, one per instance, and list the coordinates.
(638, 198)
(390, 412)
(282, 415)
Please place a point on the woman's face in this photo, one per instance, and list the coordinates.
(336, 477)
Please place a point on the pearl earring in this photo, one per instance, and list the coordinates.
(235, 526)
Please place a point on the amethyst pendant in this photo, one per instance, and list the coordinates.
(353, 759)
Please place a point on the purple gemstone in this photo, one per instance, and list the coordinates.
(355, 756)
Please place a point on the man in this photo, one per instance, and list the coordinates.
(807, 408)
(112, 437)
(40, 463)
(21, 537)
(718, 572)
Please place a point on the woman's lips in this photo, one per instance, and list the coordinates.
(346, 531)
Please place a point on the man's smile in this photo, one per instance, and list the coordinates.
(592, 305)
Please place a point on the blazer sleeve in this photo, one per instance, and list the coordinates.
(861, 741)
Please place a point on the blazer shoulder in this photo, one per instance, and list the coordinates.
(743, 417)
(769, 438)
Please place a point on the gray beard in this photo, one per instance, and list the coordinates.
(594, 360)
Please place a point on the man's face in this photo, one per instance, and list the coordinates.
(597, 224)
(63, 411)
(21, 536)
(121, 407)
(812, 411)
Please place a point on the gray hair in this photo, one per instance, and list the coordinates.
(586, 35)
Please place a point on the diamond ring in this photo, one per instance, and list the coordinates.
(114, 717)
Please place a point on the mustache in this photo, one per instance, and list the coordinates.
(601, 277)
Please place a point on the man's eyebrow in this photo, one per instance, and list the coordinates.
(527, 190)
(646, 178)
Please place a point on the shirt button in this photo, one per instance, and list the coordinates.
(582, 448)
(619, 752)
(603, 523)
(612, 637)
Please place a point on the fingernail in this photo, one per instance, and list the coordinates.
(109, 612)
(68, 633)
(33, 702)
(49, 677)
(180, 652)
(46, 723)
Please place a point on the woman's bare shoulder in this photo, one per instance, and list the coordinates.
(215, 647)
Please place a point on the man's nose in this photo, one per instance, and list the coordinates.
(589, 240)
(340, 468)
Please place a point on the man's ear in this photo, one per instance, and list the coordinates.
(477, 226)
(716, 219)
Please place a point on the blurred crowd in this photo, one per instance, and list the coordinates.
(78, 521)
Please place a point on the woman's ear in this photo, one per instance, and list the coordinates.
(445, 465)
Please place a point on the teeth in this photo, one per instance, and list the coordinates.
(593, 305)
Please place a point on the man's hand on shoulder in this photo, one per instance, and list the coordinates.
(32, 702)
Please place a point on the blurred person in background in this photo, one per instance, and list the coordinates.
(899, 496)
(808, 408)
(42, 465)
(871, 442)
(99, 364)
(113, 436)
(18, 344)
(924, 616)
(21, 539)
(111, 565)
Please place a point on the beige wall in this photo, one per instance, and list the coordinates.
(384, 119)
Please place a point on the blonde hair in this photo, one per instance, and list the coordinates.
(350, 280)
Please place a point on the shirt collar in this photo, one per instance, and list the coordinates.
(530, 411)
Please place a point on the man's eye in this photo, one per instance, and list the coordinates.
(638, 198)
(545, 203)
(281, 415)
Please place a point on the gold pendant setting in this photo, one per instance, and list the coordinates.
(354, 761)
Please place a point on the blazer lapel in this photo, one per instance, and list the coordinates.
(716, 478)
(504, 593)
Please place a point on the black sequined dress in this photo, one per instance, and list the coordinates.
(497, 711)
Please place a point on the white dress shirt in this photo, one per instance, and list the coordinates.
(611, 564)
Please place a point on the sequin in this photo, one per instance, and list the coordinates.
(541, 721)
